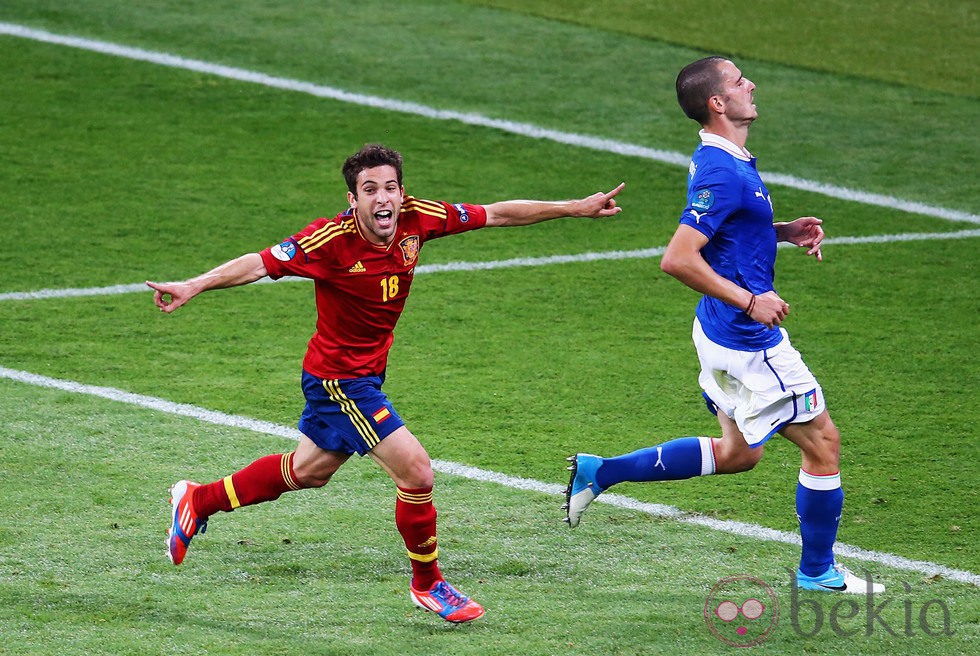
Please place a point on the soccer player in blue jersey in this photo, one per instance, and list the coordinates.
(753, 379)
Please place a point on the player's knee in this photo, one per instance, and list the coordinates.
(829, 446)
(419, 474)
(313, 480)
(732, 457)
(823, 449)
(742, 461)
(750, 459)
(313, 474)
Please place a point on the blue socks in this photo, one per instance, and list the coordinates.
(819, 502)
(678, 459)
(819, 499)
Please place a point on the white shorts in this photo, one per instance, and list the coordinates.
(761, 390)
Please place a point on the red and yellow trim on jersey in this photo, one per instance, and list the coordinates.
(430, 207)
(320, 237)
(349, 408)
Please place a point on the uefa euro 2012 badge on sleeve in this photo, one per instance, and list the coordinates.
(284, 251)
(703, 199)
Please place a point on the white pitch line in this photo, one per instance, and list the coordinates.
(642, 253)
(416, 109)
(741, 529)
(419, 270)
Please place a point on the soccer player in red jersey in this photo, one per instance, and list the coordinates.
(362, 263)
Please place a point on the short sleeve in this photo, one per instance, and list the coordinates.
(713, 196)
(299, 254)
(277, 259)
(439, 218)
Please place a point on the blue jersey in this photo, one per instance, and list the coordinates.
(728, 203)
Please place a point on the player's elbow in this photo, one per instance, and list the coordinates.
(670, 264)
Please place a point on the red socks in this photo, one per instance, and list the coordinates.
(263, 480)
(415, 517)
(268, 477)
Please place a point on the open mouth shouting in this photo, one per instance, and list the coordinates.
(384, 219)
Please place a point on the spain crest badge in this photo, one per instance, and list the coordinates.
(410, 249)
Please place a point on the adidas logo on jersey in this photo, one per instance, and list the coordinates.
(357, 268)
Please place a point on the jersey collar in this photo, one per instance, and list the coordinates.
(733, 149)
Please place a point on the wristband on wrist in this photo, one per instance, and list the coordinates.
(748, 308)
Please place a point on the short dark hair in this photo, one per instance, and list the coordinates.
(368, 157)
(696, 83)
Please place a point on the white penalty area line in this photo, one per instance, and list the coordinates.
(416, 109)
(740, 529)
(642, 253)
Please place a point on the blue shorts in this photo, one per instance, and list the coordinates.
(350, 415)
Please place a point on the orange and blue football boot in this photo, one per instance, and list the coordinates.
(185, 523)
(448, 602)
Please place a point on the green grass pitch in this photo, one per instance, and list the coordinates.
(115, 171)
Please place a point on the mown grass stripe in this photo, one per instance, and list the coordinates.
(479, 120)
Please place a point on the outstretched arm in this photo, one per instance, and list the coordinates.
(169, 296)
(526, 212)
(804, 232)
(683, 260)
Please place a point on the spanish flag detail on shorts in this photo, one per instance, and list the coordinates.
(381, 415)
(349, 408)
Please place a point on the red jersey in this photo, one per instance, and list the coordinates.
(361, 287)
